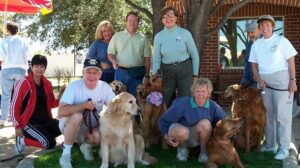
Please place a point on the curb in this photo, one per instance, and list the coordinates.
(29, 159)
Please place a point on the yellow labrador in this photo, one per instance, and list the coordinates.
(119, 144)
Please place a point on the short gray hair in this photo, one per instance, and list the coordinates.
(199, 82)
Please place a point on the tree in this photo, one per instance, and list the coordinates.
(73, 22)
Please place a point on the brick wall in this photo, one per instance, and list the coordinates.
(291, 18)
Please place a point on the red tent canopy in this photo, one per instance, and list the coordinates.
(24, 6)
(17, 6)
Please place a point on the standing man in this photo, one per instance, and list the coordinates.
(89, 94)
(253, 33)
(14, 54)
(129, 52)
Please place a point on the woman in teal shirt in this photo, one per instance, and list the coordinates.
(175, 53)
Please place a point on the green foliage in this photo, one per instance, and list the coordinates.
(166, 159)
(73, 22)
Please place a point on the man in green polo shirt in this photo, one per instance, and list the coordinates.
(129, 52)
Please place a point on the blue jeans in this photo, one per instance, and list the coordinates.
(130, 82)
(9, 76)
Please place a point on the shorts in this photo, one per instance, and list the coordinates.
(192, 142)
(83, 128)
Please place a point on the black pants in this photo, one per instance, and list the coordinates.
(43, 135)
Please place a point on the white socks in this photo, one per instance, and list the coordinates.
(67, 149)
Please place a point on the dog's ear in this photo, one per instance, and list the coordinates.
(114, 105)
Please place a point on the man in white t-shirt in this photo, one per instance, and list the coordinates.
(82, 95)
(273, 66)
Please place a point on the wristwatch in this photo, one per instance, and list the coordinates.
(294, 79)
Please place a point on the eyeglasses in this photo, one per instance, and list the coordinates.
(169, 15)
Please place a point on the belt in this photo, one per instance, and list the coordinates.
(177, 62)
(124, 68)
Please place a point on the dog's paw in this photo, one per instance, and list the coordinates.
(104, 166)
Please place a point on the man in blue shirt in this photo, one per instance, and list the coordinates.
(253, 33)
(190, 120)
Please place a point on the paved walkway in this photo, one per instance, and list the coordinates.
(7, 146)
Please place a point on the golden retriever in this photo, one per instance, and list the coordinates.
(152, 108)
(248, 104)
(220, 150)
(119, 144)
(117, 87)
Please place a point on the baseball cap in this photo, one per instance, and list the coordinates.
(91, 63)
(266, 17)
(250, 25)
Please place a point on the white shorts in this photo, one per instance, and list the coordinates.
(83, 128)
(192, 142)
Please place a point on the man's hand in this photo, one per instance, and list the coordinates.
(89, 105)
(104, 65)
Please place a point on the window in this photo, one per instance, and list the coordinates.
(233, 40)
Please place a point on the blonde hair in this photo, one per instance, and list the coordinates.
(104, 23)
(200, 82)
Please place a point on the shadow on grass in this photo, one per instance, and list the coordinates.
(166, 159)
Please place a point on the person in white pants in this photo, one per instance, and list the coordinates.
(273, 65)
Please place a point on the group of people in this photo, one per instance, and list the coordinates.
(126, 56)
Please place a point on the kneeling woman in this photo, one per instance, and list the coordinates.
(31, 106)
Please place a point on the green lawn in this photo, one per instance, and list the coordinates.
(166, 159)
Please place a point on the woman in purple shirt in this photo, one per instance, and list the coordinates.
(98, 50)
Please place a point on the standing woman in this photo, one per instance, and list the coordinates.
(14, 52)
(98, 50)
(273, 66)
(175, 53)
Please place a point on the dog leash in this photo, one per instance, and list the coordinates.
(87, 117)
(276, 88)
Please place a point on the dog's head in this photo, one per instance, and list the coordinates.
(117, 87)
(234, 91)
(155, 84)
(125, 102)
(225, 129)
(140, 91)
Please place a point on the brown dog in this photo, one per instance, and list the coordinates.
(152, 108)
(119, 144)
(117, 87)
(220, 150)
(248, 104)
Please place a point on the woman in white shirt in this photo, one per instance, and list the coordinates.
(273, 67)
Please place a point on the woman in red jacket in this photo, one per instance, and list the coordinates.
(31, 106)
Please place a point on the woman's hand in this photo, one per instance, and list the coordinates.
(262, 84)
(19, 132)
(171, 141)
(292, 86)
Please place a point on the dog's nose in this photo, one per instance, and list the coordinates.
(117, 88)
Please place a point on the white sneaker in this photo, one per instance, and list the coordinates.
(87, 152)
(264, 148)
(65, 161)
(202, 158)
(282, 154)
(182, 153)
(19, 147)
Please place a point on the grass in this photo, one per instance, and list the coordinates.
(166, 159)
